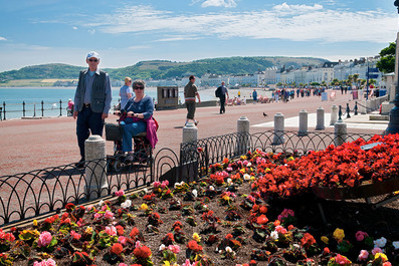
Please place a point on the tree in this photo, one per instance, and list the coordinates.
(387, 62)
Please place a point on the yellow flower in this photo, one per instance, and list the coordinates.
(89, 230)
(252, 177)
(143, 207)
(166, 263)
(242, 170)
(34, 222)
(267, 170)
(382, 255)
(196, 237)
(290, 159)
(324, 239)
(339, 234)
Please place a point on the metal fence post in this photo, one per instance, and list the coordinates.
(60, 108)
(23, 109)
(4, 110)
(34, 110)
(96, 167)
(42, 109)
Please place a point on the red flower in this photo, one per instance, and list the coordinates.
(117, 249)
(142, 252)
(120, 230)
(135, 232)
(307, 240)
(193, 245)
(262, 219)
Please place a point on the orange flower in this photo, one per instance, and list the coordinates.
(193, 245)
(135, 232)
(142, 252)
(262, 219)
(307, 240)
(117, 248)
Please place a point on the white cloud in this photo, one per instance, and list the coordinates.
(3, 39)
(74, 27)
(219, 3)
(138, 47)
(178, 38)
(287, 22)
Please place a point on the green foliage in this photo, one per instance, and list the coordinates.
(387, 62)
(162, 69)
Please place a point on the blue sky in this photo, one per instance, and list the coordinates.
(126, 32)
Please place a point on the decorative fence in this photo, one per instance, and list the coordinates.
(39, 192)
(39, 109)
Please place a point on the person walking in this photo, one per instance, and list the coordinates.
(255, 96)
(190, 92)
(92, 102)
(125, 92)
(222, 92)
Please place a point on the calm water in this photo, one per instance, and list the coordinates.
(13, 98)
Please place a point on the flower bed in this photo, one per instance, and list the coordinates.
(231, 217)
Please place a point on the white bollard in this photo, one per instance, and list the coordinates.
(334, 115)
(96, 167)
(278, 129)
(243, 142)
(340, 133)
(190, 132)
(303, 123)
(362, 107)
(320, 119)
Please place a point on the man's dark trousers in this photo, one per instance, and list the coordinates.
(87, 119)
(222, 102)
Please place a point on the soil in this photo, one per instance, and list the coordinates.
(348, 215)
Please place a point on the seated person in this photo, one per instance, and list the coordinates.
(139, 110)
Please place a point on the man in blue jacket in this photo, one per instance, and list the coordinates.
(222, 92)
(92, 102)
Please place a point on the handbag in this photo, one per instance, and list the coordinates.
(113, 132)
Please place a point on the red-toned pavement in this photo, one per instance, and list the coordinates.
(34, 144)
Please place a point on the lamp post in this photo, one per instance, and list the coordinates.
(393, 126)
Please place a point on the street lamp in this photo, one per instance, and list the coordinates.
(393, 126)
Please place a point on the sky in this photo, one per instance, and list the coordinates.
(126, 32)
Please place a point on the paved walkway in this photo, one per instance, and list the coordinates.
(33, 144)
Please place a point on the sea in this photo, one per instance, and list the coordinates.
(55, 99)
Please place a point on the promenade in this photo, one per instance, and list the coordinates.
(34, 144)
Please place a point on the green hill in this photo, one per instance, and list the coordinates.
(162, 69)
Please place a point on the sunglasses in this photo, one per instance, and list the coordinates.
(93, 60)
(139, 88)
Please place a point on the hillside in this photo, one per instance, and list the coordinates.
(162, 69)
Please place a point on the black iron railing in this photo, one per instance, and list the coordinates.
(39, 192)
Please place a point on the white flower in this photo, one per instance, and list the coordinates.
(296, 246)
(274, 235)
(126, 204)
(380, 242)
(247, 177)
(228, 249)
(395, 244)
(101, 203)
(211, 188)
(195, 193)
(145, 190)
(162, 247)
(249, 164)
(229, 181)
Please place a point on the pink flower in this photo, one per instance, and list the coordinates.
(49, 262)
(187, 263)
(119, 193)
(360, 235)
(122, 240)
(104, 208)
(281, 229)
(137, 245)
(75, 235)
(341, 259)
(285, 213)
(44, 239)
(122, 264)
(376, 250)
(174, 248)
(156, 184)
(363, 255)
(97, 216)
(108, 215)
(110, 230)
(164, 184)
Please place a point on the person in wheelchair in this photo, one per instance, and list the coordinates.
(137, 119)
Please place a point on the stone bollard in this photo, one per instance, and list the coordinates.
(278, 129)
(320, 119)
(303, 123)
(190, 132)
(362, 107)
(96, 168)
(334, 115)
(368, 106)
(339, 133)
(243, 143)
